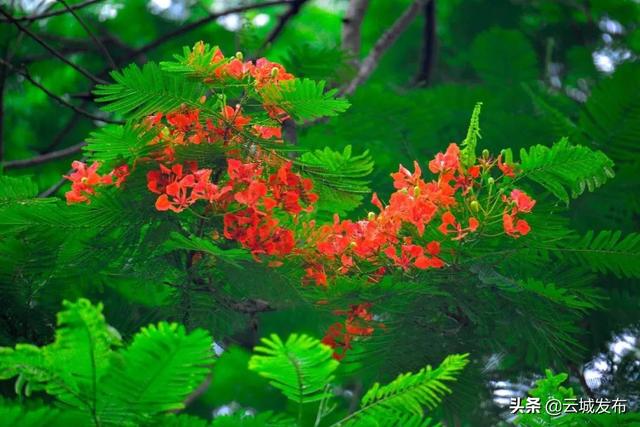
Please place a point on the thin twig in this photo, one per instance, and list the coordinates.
(293, 10)
(90, 33)
(43, 158)
(24, 73)
(429, 47)
(351, 24)
(77, 6)
(193, 25)
(51, 50)
(382, 45)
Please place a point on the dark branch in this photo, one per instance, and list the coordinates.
(351, 26)
(50, 49)
(24, 73)
(382, 45)
(54, 155)
(100, 46)
(293, 10)
(193, 25)
(77, 6)
(429, 47)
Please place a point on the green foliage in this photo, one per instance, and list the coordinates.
(606, 251)
(410, 393)
(502, 56)
(550, 387)
(193, 243)
(16, 415)
(301, 367)
(305, 99)
(339, 177)
(611, 116)
(113, 143)
(16, 188)
(565, 169)
(142, 91)
(81, 368)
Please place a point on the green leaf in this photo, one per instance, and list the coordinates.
(301, 368)
(305, 99)
(42, 416)
(604, 252)
(193, 243)
(16, 188)
(160, 368)
(339, 177)
(117, 143)
(139, 92)
(70, 367)
(410, 393)
(566, 168)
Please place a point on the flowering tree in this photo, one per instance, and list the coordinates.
(201, 185)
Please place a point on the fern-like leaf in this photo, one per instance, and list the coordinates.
(339, 177)
(305, 99)
(156, 372)
(566, 169)
(69, 367)
(16, 188)
(138, 92)
(42, 416)
(118, 143)
(411, 393)
(604, 252)
(300, 368)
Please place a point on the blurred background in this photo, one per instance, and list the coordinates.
(544, 69)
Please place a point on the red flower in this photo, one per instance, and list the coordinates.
(448, 161)
(521, 227)
(266, 132)
(83, 180)
(523, 202)
(507, 170)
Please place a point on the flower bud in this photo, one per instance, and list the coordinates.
(371, 216)
(485, 154)
(239, 56)
(274, 72)
(416, 191)
(474, 206)
(353, 244)
(491, 181)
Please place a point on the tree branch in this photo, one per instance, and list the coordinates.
(189, 27)
(50, 49)
(77, 6)
(60, 100)
(429, 47)
(43, 158)
(351, 24)
(293, 10)
(100, 46)
(382, 45)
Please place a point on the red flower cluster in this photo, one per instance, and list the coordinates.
(521, 204)
(261, 198)
(178, 190)
(255, 225)
(358, 322)
(85, 178)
